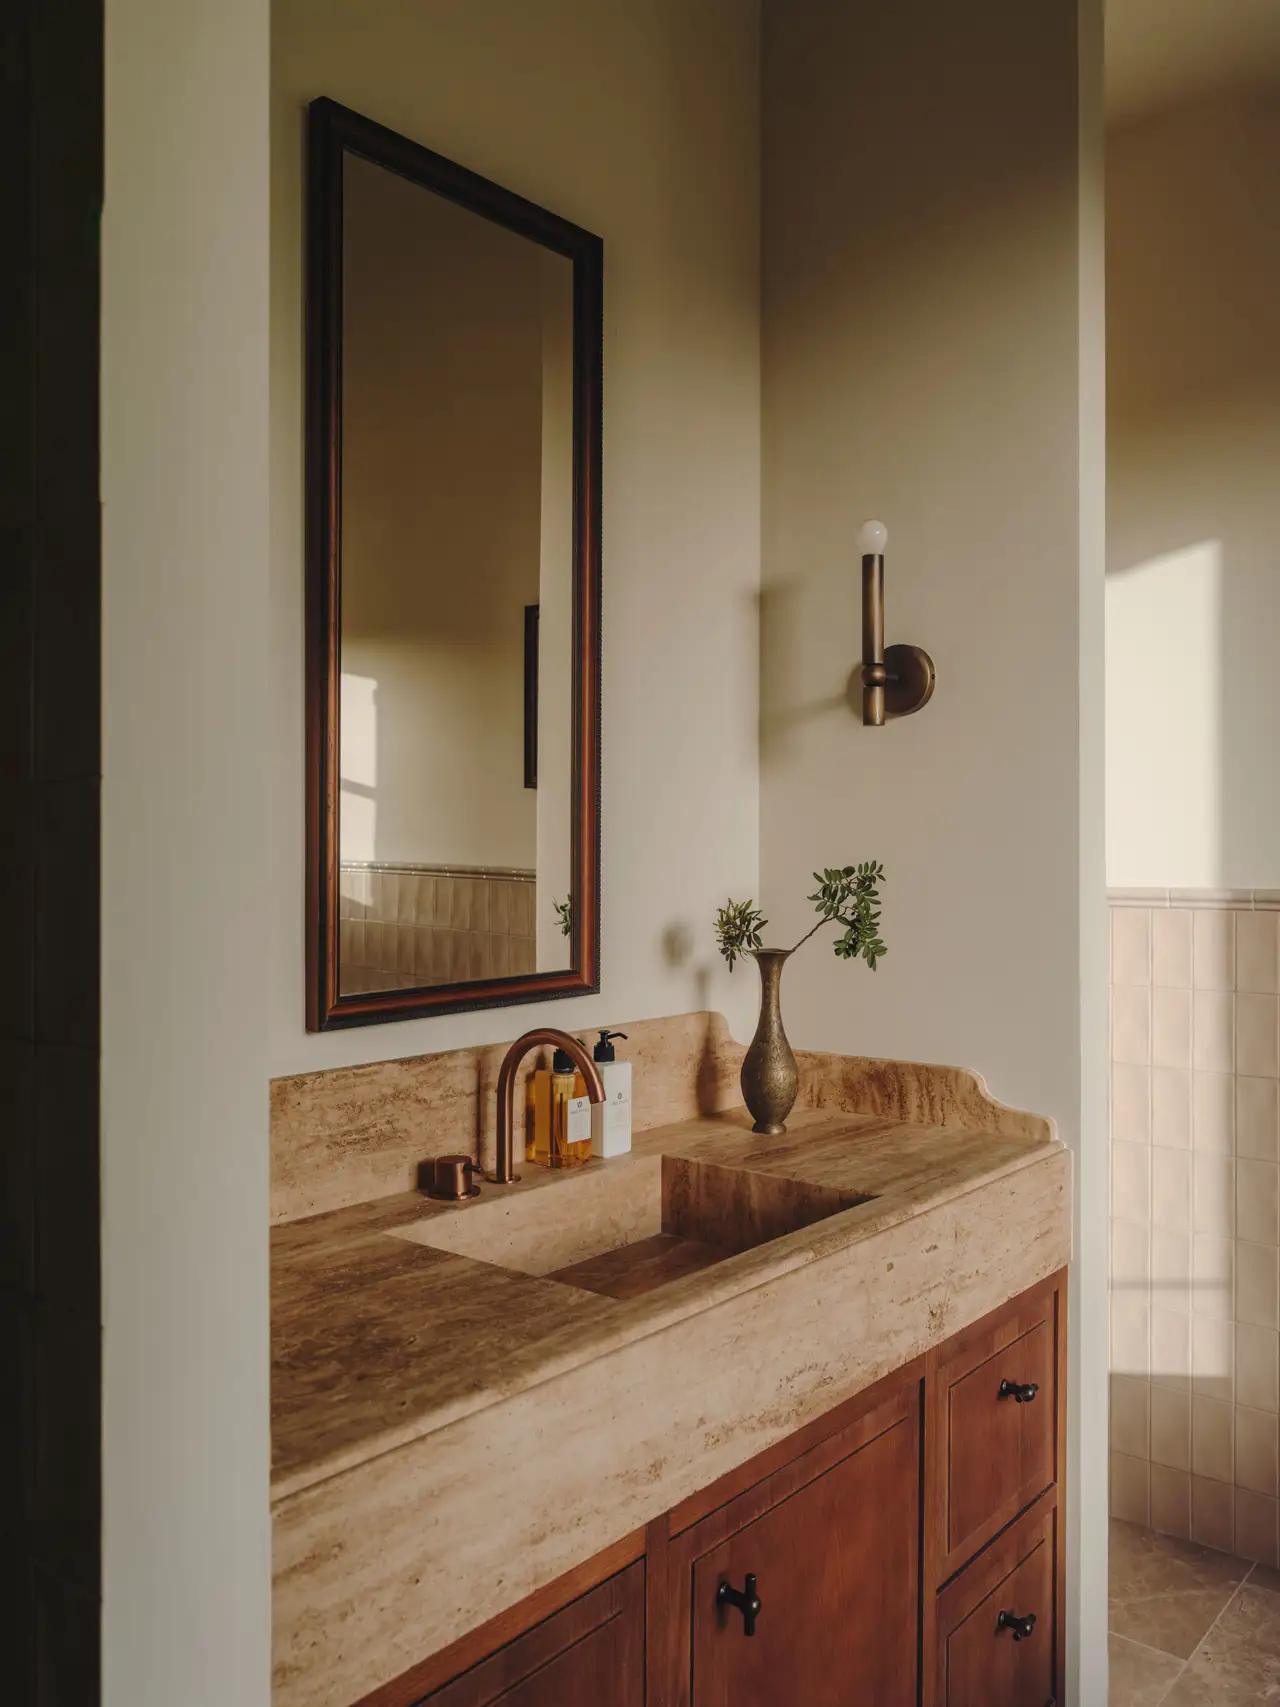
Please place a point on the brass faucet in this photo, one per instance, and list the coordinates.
(504, 1172)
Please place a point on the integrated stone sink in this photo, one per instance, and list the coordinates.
(625, 1227)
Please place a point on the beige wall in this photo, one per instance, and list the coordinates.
(926, 339)
(186, 1446)
(1193, 298)
(441, 522)
(640, 123)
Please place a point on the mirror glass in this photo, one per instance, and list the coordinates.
(456, 615)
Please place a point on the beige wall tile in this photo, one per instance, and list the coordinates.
(1257, 1367)
(1131, 1026)
(1170, 1428)
(1213, 1112)
(1131, 1182)
(1171, 947)
(1213, 1195)
(1212, 1513)
(1212, 1029)
(1171, 1028)
(1258, 1285)
(1130, 945)
(1169, 1349)
(1258, 1202)
(1213, 1438)
(1130, 1334)
(1256, 1518)
(1213, 1275)
(1131, 1257)
(1170, 1106)
(1212, 1357)
(1130, 1488)
(1257, 1450)
(1171, 1188)
(481, 889)
(1131, 1104)
(424, 901)
(500, 907)
(1130, 1416)
(1213, 949)
(1258, 951)
(1256, 1036)
(1258, 1118)
(1171, 1502)
(1171, 1269)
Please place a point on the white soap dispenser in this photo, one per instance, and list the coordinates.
(611, 1119)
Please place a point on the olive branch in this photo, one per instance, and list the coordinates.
(848, 896)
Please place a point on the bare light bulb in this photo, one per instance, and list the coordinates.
(872, 539)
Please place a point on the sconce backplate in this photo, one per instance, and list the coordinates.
(910, 679)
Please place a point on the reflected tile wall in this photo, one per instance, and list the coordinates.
(1195, 1216)
(407, 927)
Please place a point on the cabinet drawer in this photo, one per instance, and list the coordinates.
(997, 1636)
(993, 1425)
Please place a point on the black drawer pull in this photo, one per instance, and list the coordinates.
(1021, 1627)
(747, 1602)
(1021, 1392)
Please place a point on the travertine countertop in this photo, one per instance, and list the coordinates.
(450, 1435)
(377, 1341)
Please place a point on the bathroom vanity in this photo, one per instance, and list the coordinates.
(532, 1448)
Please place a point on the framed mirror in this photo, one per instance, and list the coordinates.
(453, 586)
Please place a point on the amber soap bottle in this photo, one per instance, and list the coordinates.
(557, 1124)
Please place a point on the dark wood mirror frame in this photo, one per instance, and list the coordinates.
(333, 131)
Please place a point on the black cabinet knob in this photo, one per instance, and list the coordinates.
(747, 1602)
(1021, 1627)
(1021, 1392)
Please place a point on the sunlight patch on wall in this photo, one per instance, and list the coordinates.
(358, 769)
(1164, 720)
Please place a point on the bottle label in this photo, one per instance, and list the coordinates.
(577, 1120)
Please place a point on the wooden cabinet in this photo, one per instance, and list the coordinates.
(589, 1654)
(996, 1623)
(906, 1548)
(832, 1543)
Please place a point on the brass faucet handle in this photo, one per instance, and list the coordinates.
(450, 1178)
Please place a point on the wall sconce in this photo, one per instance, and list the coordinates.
(896, 680)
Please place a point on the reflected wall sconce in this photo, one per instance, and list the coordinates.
(895, 680)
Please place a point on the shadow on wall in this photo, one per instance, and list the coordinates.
(1193, 307)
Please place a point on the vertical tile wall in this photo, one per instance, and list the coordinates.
(1195, 1216)
(407, 927)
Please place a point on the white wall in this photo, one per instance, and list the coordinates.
(929, 268)
(640, 123)
(186, 1543)
(1193, 595)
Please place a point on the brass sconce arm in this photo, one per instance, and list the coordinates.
(896, 680)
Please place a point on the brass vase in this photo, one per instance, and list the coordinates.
(770, 1077)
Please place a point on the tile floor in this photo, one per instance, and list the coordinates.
(1190, 1627)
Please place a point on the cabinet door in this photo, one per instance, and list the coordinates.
(836, 1562)
(997, 1635)
(589, 1655)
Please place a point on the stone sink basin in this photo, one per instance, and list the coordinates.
(626, 1227)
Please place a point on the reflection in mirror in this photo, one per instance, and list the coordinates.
(454, 572)
(457, 483)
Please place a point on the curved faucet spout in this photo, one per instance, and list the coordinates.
(504, 1172)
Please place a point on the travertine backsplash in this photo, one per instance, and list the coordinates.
(353, 1134)
(1195, 1216)
(406, 926)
